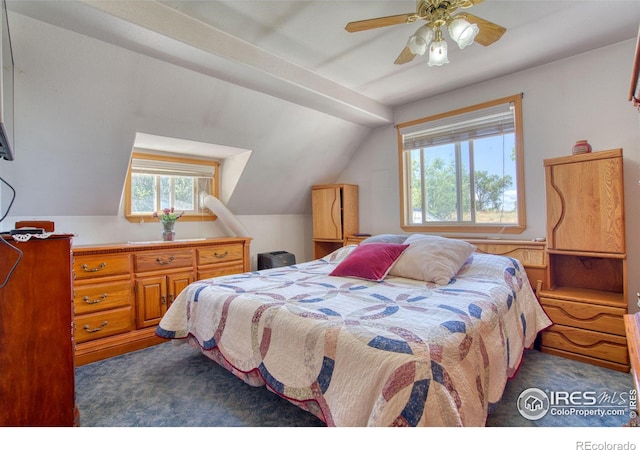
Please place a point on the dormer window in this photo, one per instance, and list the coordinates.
(157, 181)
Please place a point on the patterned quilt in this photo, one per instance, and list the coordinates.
(399, 352)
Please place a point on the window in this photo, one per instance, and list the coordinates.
(155, 182)
(462, 171)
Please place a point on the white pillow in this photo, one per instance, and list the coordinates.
(432, 258)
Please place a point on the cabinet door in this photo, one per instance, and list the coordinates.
(151, 300)
(585, 207)
(176, 283)
(327, 213)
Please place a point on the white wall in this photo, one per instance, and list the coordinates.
(583, 97)
(80, 101)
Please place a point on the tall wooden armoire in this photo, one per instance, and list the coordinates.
(586, 291)
(335, 216)
(37, 378)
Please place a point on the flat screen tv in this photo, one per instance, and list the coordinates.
(6, 88)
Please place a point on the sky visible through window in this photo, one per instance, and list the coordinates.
(494, 155)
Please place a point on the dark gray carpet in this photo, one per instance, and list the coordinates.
(176, 386)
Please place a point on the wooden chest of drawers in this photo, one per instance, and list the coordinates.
(121, 292)
(102, 296)
(218, 261)
(592, 331)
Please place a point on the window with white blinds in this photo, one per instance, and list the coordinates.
(463, 170)
(157, 181)
(142, 164)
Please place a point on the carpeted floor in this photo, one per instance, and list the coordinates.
(176, 386)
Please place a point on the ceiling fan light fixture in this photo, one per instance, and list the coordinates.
(463, 32)
(438, 53)
(438, 50)
(419, 41)
(417, 45)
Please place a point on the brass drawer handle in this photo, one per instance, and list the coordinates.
(86, 299)
(95, 269)
(163, 262)
(217, 255)
(93, 330)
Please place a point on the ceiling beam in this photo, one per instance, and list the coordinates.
(242, 62)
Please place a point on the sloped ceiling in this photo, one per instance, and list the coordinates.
(282, 79)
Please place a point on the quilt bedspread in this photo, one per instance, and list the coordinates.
(400, 352)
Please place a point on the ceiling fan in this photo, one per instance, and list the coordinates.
(464, 29)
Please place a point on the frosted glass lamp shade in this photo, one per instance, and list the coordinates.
(463, 32)
(438, 53)
(417, 45)
(419, 41)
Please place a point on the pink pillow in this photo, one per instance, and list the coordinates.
(369, 261)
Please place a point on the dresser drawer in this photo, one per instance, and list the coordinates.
(101, 296)
(98, 325)
(584, 315)
(220, 254)
(163, 259)
(219, 270)
(589, 343)
(93, 266)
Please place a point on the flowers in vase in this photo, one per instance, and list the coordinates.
(168, 215)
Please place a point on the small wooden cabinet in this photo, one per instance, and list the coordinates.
(335, 216)
(121, 292)
(585, 293)
(160, 275)
(37, 372)
(155, 294)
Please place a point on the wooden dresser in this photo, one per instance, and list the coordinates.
(120, 292)
(37, 372)
(585, 293)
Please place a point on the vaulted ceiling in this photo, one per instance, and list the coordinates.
(299, 50)
(282, 79)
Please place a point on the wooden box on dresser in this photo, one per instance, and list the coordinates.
(121, 291)
(37, 372)
(585, 293)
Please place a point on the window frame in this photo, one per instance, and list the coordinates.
(459, 227)
(198, 215)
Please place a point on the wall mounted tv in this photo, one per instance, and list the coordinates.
(6, 88)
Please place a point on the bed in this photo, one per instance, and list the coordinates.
(423, 331)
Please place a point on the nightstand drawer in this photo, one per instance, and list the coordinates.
(584, 315)
(93, 266)
(102, 296)
(163, 260)
(584, 342)
(95, 326)
(220, 254)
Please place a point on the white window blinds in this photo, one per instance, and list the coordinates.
(491, 121)
(172, 168)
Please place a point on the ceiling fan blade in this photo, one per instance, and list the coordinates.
(489, 31)
(405, 56)
(368, 24)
